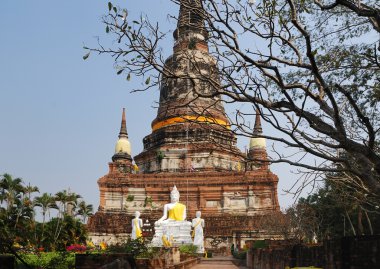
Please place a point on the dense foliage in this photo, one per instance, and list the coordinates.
(135, 247)
(21, 233)
(334, 213)
(188, 249)
(49, 260)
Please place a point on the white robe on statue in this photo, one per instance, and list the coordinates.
(198, 240)
(136, 228)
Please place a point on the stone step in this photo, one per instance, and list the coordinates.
(218, 260)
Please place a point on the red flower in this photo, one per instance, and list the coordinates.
(76, 248)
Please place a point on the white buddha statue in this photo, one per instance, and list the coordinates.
(172, 229)
(198, 225)
(137, 223)
(174, 210)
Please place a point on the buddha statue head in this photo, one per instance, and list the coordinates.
(198, 214)
(137, 214)
(174, 195)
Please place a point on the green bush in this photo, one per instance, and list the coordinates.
(150, 253)
(260, 244)
(188, 249)
(49, 260)
(134, 247)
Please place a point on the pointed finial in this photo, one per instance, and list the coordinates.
(123, 128)
(122, 145)
(257, 129)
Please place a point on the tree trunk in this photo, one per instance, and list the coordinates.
(360, 222)
(369, 222)
(352, 226)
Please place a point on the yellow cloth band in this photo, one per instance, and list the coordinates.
(195, 226)
(174, 120)
(176, 213)
(137, 229)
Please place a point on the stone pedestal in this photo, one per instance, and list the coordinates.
(180, 231)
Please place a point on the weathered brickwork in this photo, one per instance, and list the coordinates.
(191, 146)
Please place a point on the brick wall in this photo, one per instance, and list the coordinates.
(361, 252)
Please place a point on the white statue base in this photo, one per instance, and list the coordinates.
(179, 231)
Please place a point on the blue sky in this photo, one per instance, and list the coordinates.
(60, 115)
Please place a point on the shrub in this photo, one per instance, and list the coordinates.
(134, 247)
(188, 249)
(49, 260)
(150, 253)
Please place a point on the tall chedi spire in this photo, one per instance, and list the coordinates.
(190, 119)
(123, 146)
(194, 72)
(257, 145)
(191, 31)
(258, 129)
(123, 128)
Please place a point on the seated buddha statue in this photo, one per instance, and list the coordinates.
(174, 211)
(172, 226)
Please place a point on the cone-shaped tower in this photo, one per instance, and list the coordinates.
(257, 146)
(194, 75)
(257, 142)
(123, 146)
(123, 128)
(257, 129)
(191, 123)
(191, 32)
(192, 147)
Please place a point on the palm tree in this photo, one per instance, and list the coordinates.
(72, 203)
(29, 189)
(67, 201)
(11, 190)
(16, 215)
(65, 198)
(84, 210)
(46, 202)
(61, 198)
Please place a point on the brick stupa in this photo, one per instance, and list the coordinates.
(191, 146)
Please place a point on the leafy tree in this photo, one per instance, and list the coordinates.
(11, 191)
(72, 231)
(29, 189)
(337, 213)
(15, 215)
(67, 201)
(18, 229)
(84, 210)
(46, 202)
(17, 210)
(311, 68)
(277, 224)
